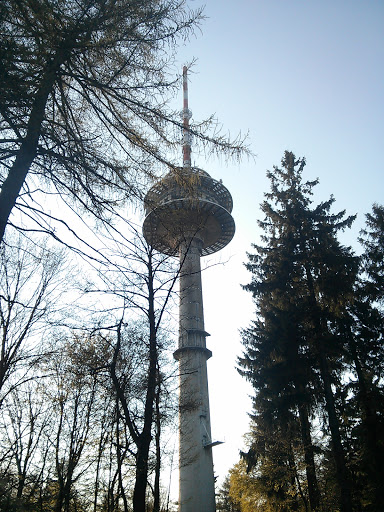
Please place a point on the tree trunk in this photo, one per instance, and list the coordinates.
(313, 489)
(142, 440)
(119, 458)
(139, 493)
(156, 490)
(337, 447)
(375, 468)
(15, 180)
(145, 438)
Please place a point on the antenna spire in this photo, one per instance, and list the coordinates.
(187, 114)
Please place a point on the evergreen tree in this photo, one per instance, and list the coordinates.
(366, 404)
(372, 240)
(224, 501)
(302, 283)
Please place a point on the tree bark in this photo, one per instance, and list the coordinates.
(142, 440)
(156, 489)
(337, 447)
(27, 152)
(375, 468)
(139, 493)
(119, 458)
(313, 489)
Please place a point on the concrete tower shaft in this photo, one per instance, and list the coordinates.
(196, 478)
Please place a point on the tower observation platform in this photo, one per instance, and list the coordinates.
(188, 214)
(188, 202)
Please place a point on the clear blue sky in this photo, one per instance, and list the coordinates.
(306, 76)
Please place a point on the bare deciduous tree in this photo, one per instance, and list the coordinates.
(29, 276)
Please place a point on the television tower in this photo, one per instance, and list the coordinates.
(188, 214)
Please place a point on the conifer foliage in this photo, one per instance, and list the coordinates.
(298, 353)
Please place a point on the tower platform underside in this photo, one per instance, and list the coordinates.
(173, 221)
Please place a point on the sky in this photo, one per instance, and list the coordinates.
(300, 75)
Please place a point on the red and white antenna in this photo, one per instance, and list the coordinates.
(187, 114)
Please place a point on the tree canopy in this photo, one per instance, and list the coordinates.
(84, 87)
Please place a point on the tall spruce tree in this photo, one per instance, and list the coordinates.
(302, 283)
(372, 240)
(367, 363)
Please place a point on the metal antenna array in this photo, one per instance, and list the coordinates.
(187, 114)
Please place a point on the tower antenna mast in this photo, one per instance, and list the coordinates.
(187, 114)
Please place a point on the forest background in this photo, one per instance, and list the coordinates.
(315, 90)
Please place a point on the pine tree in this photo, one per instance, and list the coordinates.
(302, 283)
